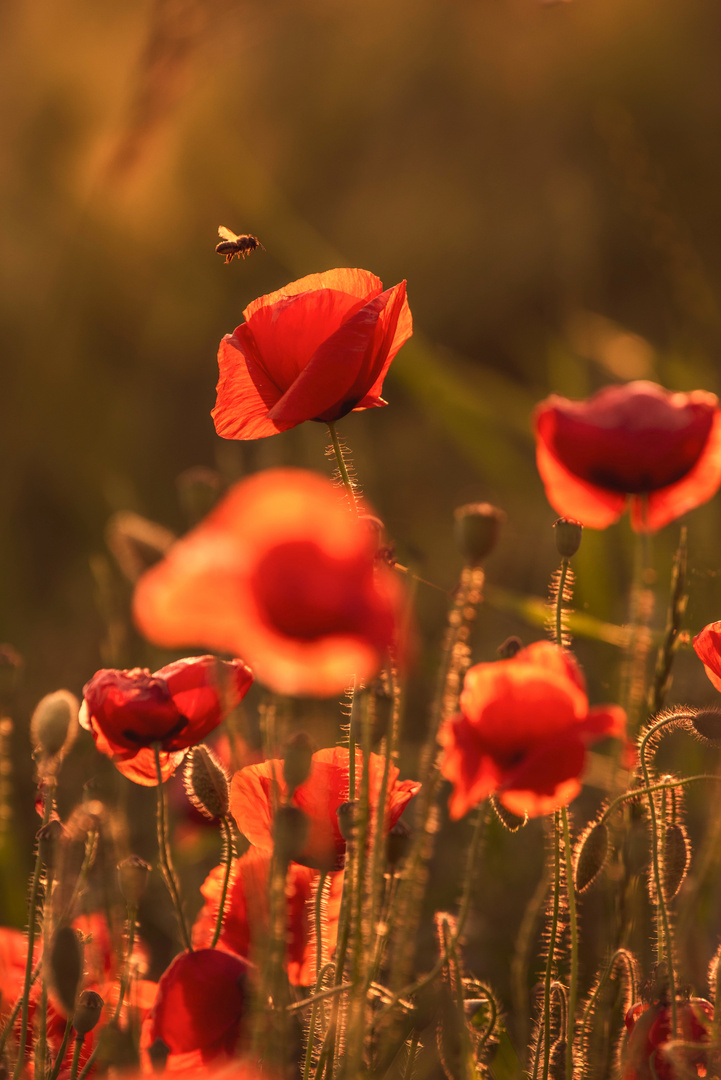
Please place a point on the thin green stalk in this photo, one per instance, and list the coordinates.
(545, 1026)
(79, 1040)
(318, 973)
(329, 992)
(42, 1024)
(123, 989)
(228, 839)
(411, 1060)
(662, 785)
(342, 468)
(57, 1064)
(32, 918)
(583, 1027)
(16, 1008)
(565, 564)
(164, 855)
(573, 930)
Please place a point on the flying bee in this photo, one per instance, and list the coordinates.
(231, 244)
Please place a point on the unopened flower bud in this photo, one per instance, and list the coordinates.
(508, 649)
(66, 966)
(567, 534)
(133, 874)
(198, 491)
(346, 813)
(707, 724)
(297, 760)
(590, 855)
(54, 724)
(206, 783)
(87, 1012)
(476, 529)
(676, 858)
(398, 843)
(291, 829)
(136, 543)
(380, 706)
(50, 838)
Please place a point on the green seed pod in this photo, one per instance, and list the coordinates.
(54, 724)
(676, 857)
(206, 783)
(133, 874)
(66, 966)
(290, 831)
(590, 855)
(297, 760)
(567, 534)
(513, 822)
(476, 529)
(87, 1012)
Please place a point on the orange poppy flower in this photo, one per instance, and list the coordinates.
(522, 732)
(315, 350)
(636, 442)
(649, 1028)
(318, 797)
(127, 711)
(245, 919)
(281, 574)
(707, 645)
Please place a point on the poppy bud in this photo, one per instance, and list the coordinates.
(509, 648)
(513, 822)
(707, 724)
(10, 664)
(87, 1013)
(346, 819)
(297, 760)
(198, 492)
(590, 855)
(476, 530)
(54, 724)
(382, 706)
(133, 874)
(676, 857)
(567, 534)
(398, 843)
(66, 966)
(136, 543)
(206, 783)
(49, 837)
(290, 832)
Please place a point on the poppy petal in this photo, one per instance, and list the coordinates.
(697, 487)
(546, 780)
(245, 391)
(707, 645)
(397, 329)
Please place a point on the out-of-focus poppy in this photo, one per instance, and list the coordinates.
(245, 920)
(650, 1052)
(707, 645)
(315, 350)
(522, 732)
(636, 442)
(281, 574)
(198, 1012)
(128, 711)
(319, 797)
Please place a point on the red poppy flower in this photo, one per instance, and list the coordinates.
(639, 442)
(315, 350)
(245, 920)
(200, 1005)
(319, 797)
(522, 732)
(281, 574)
(128, 711)
(707, 645)
(649, 1054)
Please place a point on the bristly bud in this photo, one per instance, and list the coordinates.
(590, 855)
(380, 708)
(133, 874)
(398, 844)
(206, 783)
(136, 543)
(513, 822)
(66, 966)
(290, 833)
(54, 724)
(476, 529)
(50, 838)
(87, 1013)
(676, 858)
(557, 1061)
(707, 725)
(346, 819)
(297, 760)
(198, 491)
(10, 664)
(508, 649)
(567, 533)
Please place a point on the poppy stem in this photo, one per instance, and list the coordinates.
(562, 576)
(584, 1033)
(573, 930)
(343, 468)
(228, 858)
(164, 854)
(662, 785)
(319, 969)
(57, 1064)
(79, 1040)
(122, 990)
(544, 1032)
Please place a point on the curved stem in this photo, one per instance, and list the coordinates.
(662, 785)
(318, 973)
(164, 854)
(228, 837)
(57, 1064)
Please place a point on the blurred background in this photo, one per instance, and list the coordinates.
(546, 176)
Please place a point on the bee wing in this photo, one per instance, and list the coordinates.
(226, 234)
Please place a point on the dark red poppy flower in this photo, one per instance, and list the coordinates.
(650, 1052)
(315, 350)
(318, 797)
(245, 921)
(128, 711)
(522, 732)
(707, 645)
(636, 442)
(281, 574)
(199, 1007)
